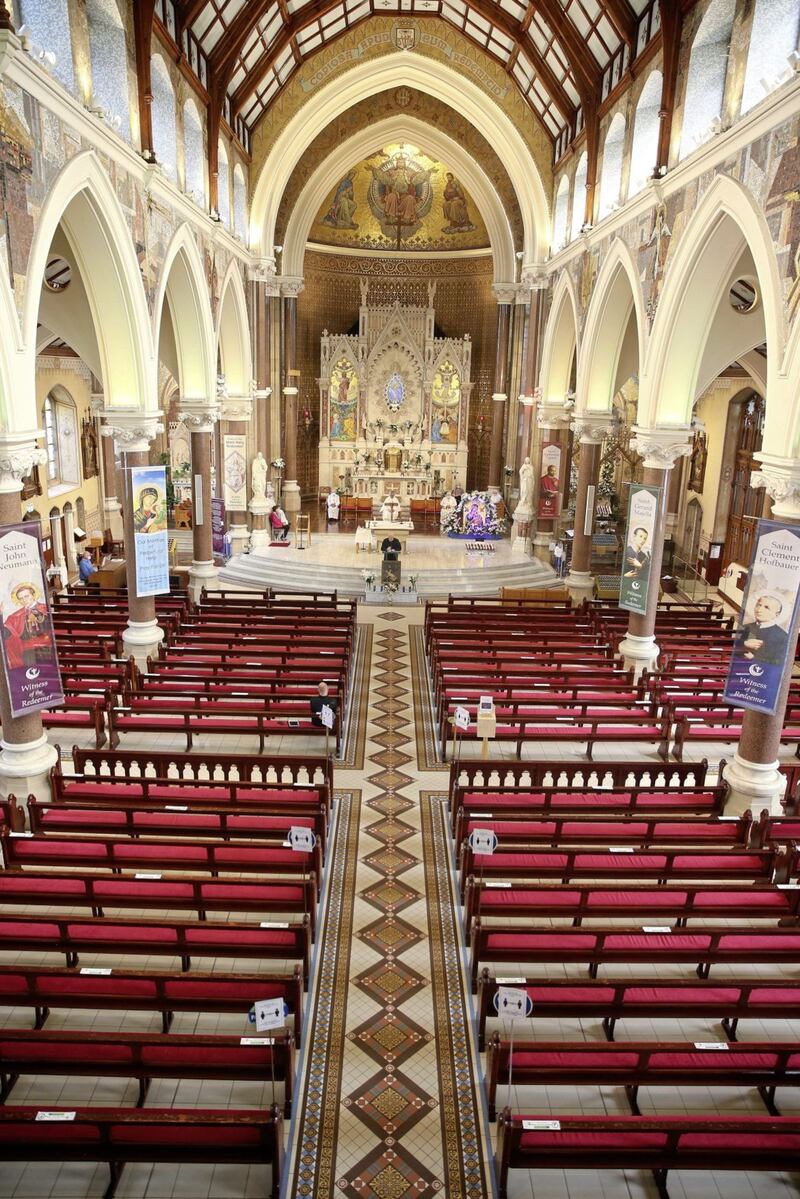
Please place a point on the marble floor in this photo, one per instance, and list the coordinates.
(388, 1100)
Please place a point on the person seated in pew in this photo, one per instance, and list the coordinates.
(319, 701)
(86, 567)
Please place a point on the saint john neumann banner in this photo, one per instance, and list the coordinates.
(765, 634)
(635, 582)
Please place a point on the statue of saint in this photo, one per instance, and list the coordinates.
(525, 504)
(258, 476)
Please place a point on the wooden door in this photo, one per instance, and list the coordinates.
(746, 502)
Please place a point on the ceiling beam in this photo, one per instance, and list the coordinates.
(228, 47)
(143, 14)
(189, 11)
(624, 19)
(671, 26)
(585, 67)
(512, 28)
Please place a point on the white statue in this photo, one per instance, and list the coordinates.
(332, 504)
(525, 504)
(447, 507)
(258, 476)
(390, 508)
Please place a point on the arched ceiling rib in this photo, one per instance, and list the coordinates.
(562, 55)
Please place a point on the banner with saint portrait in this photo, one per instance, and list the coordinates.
(764, 640)
(234, 471)
(30, 660)
(549, 504)
(148, 496)
(634, 586)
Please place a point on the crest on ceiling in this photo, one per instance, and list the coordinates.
(404, 36)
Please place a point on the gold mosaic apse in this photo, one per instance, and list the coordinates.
(400, 198)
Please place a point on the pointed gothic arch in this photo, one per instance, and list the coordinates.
(183, 289)
(82, 201)
(368, 78)
(726, 223)
(233, 334)
(560, 343)
(358, 147)
(616, 300)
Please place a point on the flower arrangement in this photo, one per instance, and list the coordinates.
(369, 577)
(477, 515)
(278, 464)
(390, 589)
(413, 581)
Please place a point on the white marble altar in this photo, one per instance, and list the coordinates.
(394, 404)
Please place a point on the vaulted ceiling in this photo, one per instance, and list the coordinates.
(564, 56)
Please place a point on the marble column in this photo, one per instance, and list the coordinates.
(530, 393)
(504, 294)
(290, 289)
(591, 435)
(553, 419)
(753, 775)
(200, 416)
(57, 537)
(236, 411)
(660, 448)
(133, 432)
(112, 510)
(25, 753)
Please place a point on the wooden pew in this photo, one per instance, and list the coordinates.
(160, 1135)
(579, 902)
(145, 1056)
(44, 988)
(173, 938)
(652, 944)
(765, 1065)
(727, 1000)
(660, 1144)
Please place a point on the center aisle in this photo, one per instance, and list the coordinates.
(389, 1103)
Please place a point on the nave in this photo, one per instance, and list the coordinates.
(132, 907)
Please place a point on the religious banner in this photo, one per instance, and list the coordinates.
(764, 640)
(217, 527)
(639, 537)
(28, 644)
(234, 473)
(151, 551)
(549, 494)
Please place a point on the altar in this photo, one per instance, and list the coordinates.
(401, 529)
(394, 404)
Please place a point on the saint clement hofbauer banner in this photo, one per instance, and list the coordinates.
(634, 586)
(28, 643)
(765, 633)
(149, 500)
(549, 503)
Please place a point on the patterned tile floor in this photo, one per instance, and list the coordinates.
(389, 1106)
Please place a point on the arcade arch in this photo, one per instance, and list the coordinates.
(232, 335)
(612, 348)
(560, 343)
(183, 303)
(369, 78)
(435, 143)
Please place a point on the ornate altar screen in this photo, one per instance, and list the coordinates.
(394, 404)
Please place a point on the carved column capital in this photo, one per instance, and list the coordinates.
(781, 479)
(132, 431)
(553, 414)
(661, 447)
(291, 288)
(591, 430)
(199, 415)
(19, 453)
(505, 293)
(236, 408)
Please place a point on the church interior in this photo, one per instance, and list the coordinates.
(399, 599)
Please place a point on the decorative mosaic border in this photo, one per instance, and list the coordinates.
(355, 742)
(466, 1145)
(312, 1158)
(427, 752)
